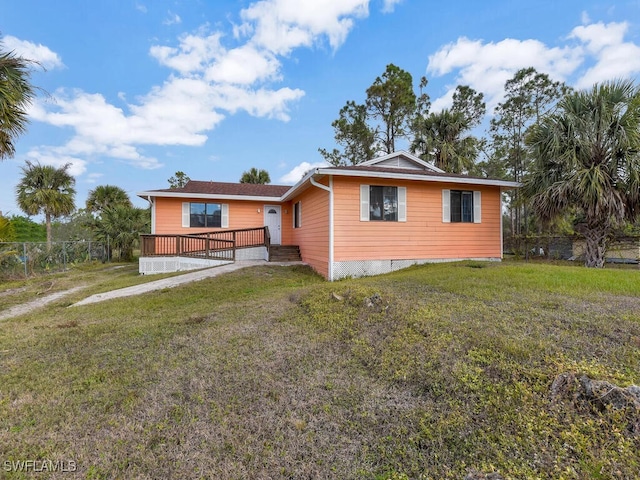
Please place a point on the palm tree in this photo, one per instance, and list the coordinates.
(255, 176)
(587, 160)
(105, 196)
(16, 94)
(441, 139)
(46, 189)
(122, 225)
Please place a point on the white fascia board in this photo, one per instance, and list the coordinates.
(424, 178)
(208, 196)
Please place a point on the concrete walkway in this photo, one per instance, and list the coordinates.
(177, 280)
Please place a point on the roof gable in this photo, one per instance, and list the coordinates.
(401, 159)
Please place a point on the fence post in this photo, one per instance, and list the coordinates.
(64, 256)
(24, 256)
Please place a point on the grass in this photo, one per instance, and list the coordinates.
(270, 372)
(95, 277)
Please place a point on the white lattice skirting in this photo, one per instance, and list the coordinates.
(151, 265)
(365, 268)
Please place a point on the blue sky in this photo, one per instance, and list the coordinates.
(135, 90)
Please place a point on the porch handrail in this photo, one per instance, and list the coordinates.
(220, 244)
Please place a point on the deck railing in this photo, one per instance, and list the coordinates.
(220, 245)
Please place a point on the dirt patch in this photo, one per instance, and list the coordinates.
(12, 291)
(28, 307)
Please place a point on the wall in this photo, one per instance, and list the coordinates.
(423, 235)
(313, 235)
(242, 214)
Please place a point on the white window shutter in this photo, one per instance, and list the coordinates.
(186, 213)
(224, 218)
(402, 204)
(364, 203)
(446, 206)
(299, 214)
(477, 207)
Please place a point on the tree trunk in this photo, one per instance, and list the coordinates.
(596, 240)
(47, 217)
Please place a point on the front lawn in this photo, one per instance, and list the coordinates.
(270, 372)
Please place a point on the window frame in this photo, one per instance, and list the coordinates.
(366, 208)
(473, 213)
(187, 215)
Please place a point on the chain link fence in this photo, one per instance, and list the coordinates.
(621, 249)
(23, 259)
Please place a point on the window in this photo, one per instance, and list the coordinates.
(461, 206)
(383, 204)
(297, 215)
(205, 215)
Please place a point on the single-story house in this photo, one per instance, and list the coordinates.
(374, 217)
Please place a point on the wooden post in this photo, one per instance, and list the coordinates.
(233, 251)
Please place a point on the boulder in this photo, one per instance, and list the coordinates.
(599, 395)
(605, 395)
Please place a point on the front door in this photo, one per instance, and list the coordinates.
(273, 220)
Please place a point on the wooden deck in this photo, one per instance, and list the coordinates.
(217, 245)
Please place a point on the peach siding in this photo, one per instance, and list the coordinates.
(313, 235)
(242, 214)
(423, 235)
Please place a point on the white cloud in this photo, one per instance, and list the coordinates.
(296, 174)
(48, 156)
(389, 5)
(282, 25)
(486, 66)
(598, 36)
(615, 58)
(259, 103)
(244, 65)
(172, 18)
(36, 52)
(193, 55)
(615, 62)
(178, 113)
(141, 8)
(209, 80)
(445, 101)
